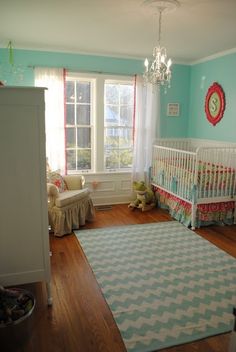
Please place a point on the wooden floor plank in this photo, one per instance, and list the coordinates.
(80, 320)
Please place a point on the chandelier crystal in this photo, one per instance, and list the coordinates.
(158, 72)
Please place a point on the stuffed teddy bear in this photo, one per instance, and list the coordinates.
(145, 199)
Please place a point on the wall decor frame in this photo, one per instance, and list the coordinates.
(215, 103)
(173, 109)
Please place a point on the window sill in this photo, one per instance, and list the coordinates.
(101, 173)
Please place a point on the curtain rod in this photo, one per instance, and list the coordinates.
(86, 71)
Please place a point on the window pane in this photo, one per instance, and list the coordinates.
(126, 158)
(83, 114)
(70, 91)
(70, 114)
(111, 137)
(126, 94)
(83, 159)
(112, 159)
(83, 92)
(111, 93)
(111, 115)
(71, 159)
(118, 137)
(118, 159)
(84, 137)
(126, 115)
(126, 137)
(70, 138)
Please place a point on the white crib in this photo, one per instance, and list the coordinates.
(197, 172)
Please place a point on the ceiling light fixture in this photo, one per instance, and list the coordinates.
(159, 71)
(10, 72)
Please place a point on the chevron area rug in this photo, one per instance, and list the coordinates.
(164, 284)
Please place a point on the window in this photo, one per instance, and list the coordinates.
(99, 123)
(78, 124)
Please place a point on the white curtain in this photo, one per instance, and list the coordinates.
(53, 80)
(147, 127)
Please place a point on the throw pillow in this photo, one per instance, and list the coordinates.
(55, 178)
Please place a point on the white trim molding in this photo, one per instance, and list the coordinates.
(110, 188)
(214, 56)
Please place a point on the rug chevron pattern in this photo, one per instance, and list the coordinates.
(164, 284)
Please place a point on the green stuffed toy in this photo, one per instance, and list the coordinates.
(145, 199)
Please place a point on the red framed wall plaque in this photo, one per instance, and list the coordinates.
(215, 103)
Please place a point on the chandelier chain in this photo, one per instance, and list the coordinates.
(159, 26)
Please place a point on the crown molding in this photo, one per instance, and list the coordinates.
(125, 57)
(76, 52)
(214, 56)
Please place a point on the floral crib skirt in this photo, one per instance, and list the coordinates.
(207, 214)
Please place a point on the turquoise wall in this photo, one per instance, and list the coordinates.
(223, 71)
(189, 86)
(77, 62)
(179, 91)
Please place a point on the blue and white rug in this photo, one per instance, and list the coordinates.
(164, 284)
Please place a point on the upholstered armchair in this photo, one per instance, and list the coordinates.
(70, 206)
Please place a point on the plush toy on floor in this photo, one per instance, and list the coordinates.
(145, 199)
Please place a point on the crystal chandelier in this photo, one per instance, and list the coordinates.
(11, 73)
(159, 71)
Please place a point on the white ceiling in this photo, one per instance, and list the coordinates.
(123, 28)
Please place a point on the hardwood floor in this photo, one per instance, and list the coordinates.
(79, 320)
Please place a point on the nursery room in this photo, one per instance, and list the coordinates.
(118, 166)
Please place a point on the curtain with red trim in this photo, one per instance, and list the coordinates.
(146, 124)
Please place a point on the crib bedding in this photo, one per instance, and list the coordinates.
(207, 214)
(212, 179)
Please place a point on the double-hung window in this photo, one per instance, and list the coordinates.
(99, 123)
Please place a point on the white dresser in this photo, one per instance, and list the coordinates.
(24, 239)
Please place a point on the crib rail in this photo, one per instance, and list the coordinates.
(196, 176)
(215, 173)
(176, 143)
(191, 144)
